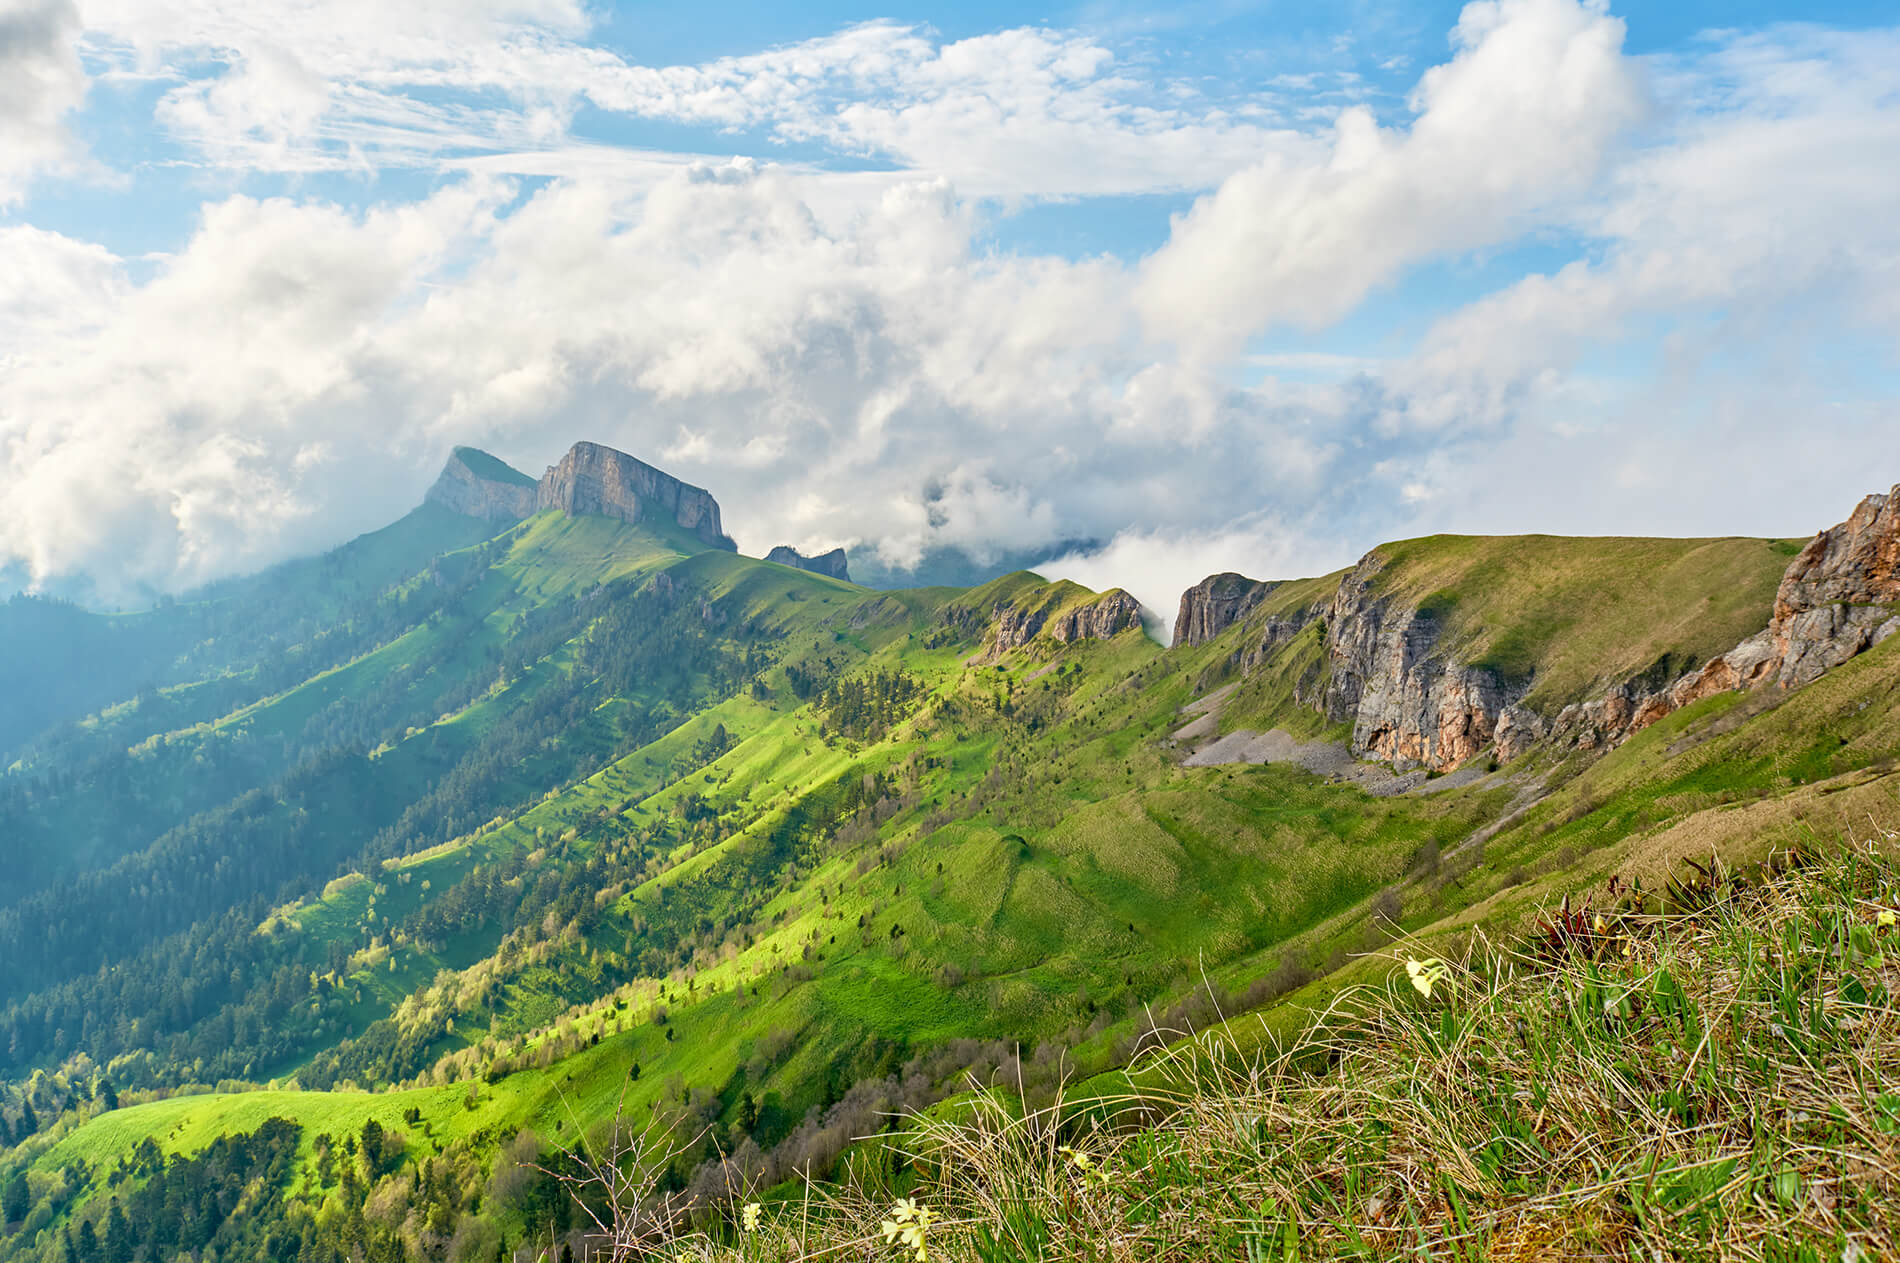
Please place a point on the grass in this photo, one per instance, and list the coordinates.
(1055, 874)
(1713, 1079)
(1570, 616)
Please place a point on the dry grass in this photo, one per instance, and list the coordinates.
(1719, 1080)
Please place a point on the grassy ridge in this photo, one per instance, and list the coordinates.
(779, 905)
(1572, 616)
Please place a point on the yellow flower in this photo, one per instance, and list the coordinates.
(1599, 926)
(1885, 918)
(908, 1225)
(1426, 974)
(749, 1217)
(1081, 1160)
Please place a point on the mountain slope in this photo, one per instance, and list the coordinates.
(608, 812)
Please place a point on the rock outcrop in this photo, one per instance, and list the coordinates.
(1216, 603)
(589, 479)
(475, 484)
(596, 479)
(1411, 704)
(1838, 598)
(1407, 704)
(1109, 614)
(832, 563)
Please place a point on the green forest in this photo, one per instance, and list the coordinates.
(353, 909)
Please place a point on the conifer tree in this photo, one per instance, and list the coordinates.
(16, 1200)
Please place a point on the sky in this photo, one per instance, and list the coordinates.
(1214, 285)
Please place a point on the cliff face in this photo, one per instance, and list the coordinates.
(1109, 614)
(1839, 596)
(589, 479)
(475, 484)
(596, 479)
(832, 563)
(1410, 703)
(1406, 703)
(1214, 604)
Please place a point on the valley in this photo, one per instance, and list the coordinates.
(544, 805)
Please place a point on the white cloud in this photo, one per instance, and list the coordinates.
(1156, 566)
(855, 367)
(1014, 114)
(1521, 119)
(41, 82)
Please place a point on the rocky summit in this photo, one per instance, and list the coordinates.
(475, 484)
(832, 563)
(590, 479)
(596, 479)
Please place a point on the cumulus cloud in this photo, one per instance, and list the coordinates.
(1014, 114)
(858, 368)
(1520, 119)
(41, 82)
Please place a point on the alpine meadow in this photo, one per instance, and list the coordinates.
(808, 634)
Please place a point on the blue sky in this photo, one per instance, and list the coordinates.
(1223, 285)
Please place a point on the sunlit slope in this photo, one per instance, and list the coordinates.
(1573, 615)
(863, 843)
(1560, 618)
(1012, 864)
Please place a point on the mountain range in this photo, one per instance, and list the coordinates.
(366, 880)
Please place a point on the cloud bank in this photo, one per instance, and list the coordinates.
(842, 360)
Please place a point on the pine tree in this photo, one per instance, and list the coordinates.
(119, 1242)
(29, 1123)
(108, 1094)
(16, 1200)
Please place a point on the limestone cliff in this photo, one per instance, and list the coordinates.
(1840, 597)
(1098, 618)
(1407, 703)
(476, 484)
(1216, 603)
(832, 563)
(596, 479)
(1411, 702)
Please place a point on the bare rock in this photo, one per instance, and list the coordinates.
(832, 563)
(1216, 603)
(475, 484)
(596, 479)
(1109, 614)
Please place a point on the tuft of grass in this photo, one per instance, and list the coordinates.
(1711, 1074)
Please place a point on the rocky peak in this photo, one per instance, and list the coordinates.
(1839, 595)
(831, 563)
(476, 484)
(1107, 615)
(1412, 703)
(1216, 603)
(600, 480)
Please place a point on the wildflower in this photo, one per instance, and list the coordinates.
(1885, 918)
(749, 1217)
(1599, 926)
(1426, 974)
(1081, 1160)
(908, 1225)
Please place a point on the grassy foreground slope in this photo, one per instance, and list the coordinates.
(860, 855)
(1707, 1078)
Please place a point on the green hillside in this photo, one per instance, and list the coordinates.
(1574, 615)
(582, 816)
